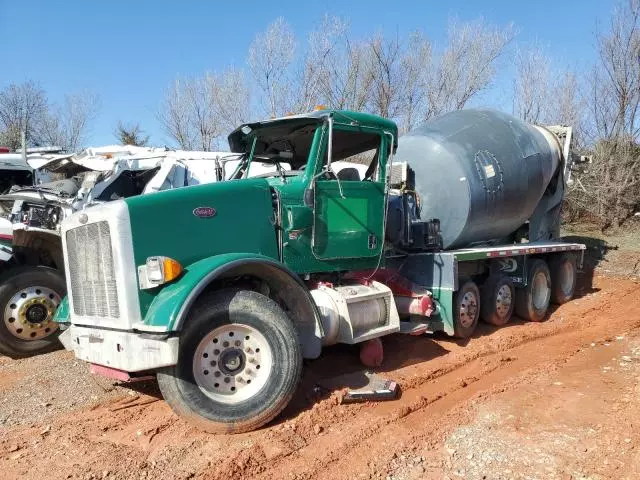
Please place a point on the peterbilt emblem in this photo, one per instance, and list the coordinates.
(204, 212)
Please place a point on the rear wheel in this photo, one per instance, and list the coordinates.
(563, 278)
(466, 309)
(533, 300)
(239, 363)
(29, 297)
(498, 295)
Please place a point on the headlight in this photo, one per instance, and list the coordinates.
(158, 271)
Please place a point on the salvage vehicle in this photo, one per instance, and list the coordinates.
(44, 190)
(15, 169)
(223, 289)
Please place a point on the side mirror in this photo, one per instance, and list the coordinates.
(310, 196)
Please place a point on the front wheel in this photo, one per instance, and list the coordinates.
(239, 363)
(29, 297)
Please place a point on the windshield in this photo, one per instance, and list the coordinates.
(277, 150)
(10, 178)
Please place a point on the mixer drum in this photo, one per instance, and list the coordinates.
(481, 172)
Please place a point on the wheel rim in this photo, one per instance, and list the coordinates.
(232, 363)
(29, 313)
(503, 301)
(541, 291)
(567, 278)
(468, 309)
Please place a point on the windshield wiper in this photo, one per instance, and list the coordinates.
(281, 172)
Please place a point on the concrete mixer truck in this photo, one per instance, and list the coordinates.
(222, 290)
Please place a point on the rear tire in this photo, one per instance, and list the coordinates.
(498, 298)
(466, 310)
(29, 297)
(239, 363)
(532, 301)
(563, 278)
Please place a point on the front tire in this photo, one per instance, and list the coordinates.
(239, 363)
(29, 297)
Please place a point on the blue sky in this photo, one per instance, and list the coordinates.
(129, 51)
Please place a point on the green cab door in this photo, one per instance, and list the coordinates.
(349, 200)
(348, 220)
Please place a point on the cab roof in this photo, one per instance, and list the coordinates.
(238, 139)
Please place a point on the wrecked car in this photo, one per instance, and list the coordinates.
(54, 186)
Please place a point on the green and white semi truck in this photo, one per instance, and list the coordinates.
(222, 290)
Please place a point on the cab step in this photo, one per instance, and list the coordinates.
(414, 328)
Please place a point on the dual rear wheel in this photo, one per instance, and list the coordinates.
(498, 299)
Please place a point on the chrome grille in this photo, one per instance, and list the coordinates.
(93, 285)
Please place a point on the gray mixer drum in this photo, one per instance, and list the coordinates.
(481, 172)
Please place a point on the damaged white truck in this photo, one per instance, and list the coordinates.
(39, 190)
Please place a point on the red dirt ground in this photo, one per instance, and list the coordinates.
(558, 399)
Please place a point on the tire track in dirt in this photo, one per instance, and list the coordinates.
(440, 378)
(359, 442)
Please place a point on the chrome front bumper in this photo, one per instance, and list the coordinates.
(122, 350)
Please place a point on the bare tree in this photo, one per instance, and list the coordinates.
(569, 100)
(232, 99)
(610, 190)
(200, 94)
(187, 113)
(197, 111)
(67, 125)
(415, 63)
(532, 85)
(467, 65)
(22, 108)
(131, 135)
(387, 75)
(270, 57)
(617, 78)
(312, 74)
(175, 117)
(545, 95)
(342, 72)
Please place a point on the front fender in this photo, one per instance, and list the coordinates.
(167, 306)
(62, 312)
(169, 309)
